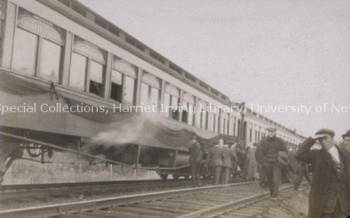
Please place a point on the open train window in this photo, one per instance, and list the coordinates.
(184, 116)
(96, 78)
(116, 86)
(87, 68)
(123, 81)
(171, 101)
(174, 105)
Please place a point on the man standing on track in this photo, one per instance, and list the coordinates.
(196, 158)
(215, 160)
(261, 169)
(228, 159)
(270, 147)
(329, 196)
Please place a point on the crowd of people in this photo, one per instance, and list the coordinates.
(270, 161)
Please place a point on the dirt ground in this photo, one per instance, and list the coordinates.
(295, 207)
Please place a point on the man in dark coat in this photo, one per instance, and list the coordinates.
(269, 158)
(215, 161)
(329, 196)
(196, 158)
(261, 169)
(228, 160)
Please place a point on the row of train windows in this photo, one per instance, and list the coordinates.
(38, 51)
(27, 56)
(42, 58)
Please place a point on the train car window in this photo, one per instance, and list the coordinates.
(154, 96)
(50, 61)
(188, 112)
(228, 127)
(198, 118)
(96, 78)
(25, 52)
(203, 115)
(188, 109)
(207, 120)
(170, 106)
(166, 105)
(144, 94)
(77, 76)
(123, 81)
(210, 120)
(87, 67)
(185, 116)
(171, 101)
(174, 108)
(122, 87)
(233, 125)
(149, 95)
(33, 36)
(129, 89)
(150, 89)
(116, 86)
(218, 124)
(214, 123)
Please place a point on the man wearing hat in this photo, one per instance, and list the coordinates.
(329, 196)
(271, 146)
(346, 141)
(196, 158)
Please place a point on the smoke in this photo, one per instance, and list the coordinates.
(127, 132)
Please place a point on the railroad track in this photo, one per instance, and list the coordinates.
(12, 192)
(210, 201)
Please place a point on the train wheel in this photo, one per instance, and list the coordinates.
(163, 176)
(175, 177)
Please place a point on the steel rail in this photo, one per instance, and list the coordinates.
(19, 187)
(27, 191)
(59, 209)
(220, 209)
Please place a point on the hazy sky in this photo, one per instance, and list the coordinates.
(270, 53)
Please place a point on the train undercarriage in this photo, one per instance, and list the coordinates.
(40, 145)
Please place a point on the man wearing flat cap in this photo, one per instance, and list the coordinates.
(346, 141)
(196, 158)
(329, 196)
(271, 146)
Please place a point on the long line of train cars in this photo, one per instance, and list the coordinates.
(64, 71)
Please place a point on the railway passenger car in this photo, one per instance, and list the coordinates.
(64, 70)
